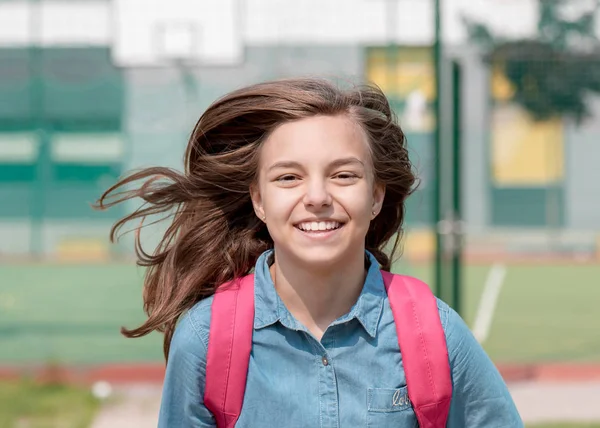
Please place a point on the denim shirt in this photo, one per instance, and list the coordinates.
(353, 377)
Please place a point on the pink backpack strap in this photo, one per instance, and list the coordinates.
(229, 346)
(423, 346)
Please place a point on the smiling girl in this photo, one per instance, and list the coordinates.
(302, 184)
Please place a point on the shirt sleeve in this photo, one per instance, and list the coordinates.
(182, 402)
(480, 396)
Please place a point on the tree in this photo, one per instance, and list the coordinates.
(553, 74)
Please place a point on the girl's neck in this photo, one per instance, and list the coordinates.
(317, 297)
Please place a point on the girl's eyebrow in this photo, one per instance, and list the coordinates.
(335, 163)
(285, 164)
(346, 161)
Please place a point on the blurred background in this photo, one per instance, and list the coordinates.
(505, 224)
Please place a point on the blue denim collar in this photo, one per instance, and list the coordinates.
(269, 307)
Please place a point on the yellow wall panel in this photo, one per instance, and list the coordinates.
(402, 71)
(502, 88)
(525, 152)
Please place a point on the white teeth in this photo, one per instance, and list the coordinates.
(319, 225)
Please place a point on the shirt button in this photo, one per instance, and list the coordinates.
(325, 361)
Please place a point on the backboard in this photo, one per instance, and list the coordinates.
(158, 33)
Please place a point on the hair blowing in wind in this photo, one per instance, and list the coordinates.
(214, 235)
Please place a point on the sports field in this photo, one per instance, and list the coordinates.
(72, 313)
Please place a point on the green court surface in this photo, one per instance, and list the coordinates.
(72, 313)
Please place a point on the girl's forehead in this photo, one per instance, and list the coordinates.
(315, 140)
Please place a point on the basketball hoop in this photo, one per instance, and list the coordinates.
(176, 32)
(177, 43)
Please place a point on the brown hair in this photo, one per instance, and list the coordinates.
(215, 235)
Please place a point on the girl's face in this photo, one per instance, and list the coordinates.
(316, 190)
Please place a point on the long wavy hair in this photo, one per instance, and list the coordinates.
(214, 235)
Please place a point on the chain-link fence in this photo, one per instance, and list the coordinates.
(71, 122)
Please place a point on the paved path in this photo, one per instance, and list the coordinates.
(553, 402)
(137, 406)
(134, 406)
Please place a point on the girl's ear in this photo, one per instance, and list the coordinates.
(378, 197)
(257, 201)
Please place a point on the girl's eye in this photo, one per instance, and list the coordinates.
(346, 176)
(287, 178)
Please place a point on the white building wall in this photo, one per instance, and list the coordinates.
(85, 23)
(267, 22)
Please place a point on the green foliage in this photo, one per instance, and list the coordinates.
(27, 404)
(553, 74)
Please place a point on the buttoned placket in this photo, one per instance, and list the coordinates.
(328, 387)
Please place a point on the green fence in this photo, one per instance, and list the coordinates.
(61, 140)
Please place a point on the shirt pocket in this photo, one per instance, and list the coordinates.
(387, 407)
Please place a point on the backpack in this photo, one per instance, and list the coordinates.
(420, 336)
